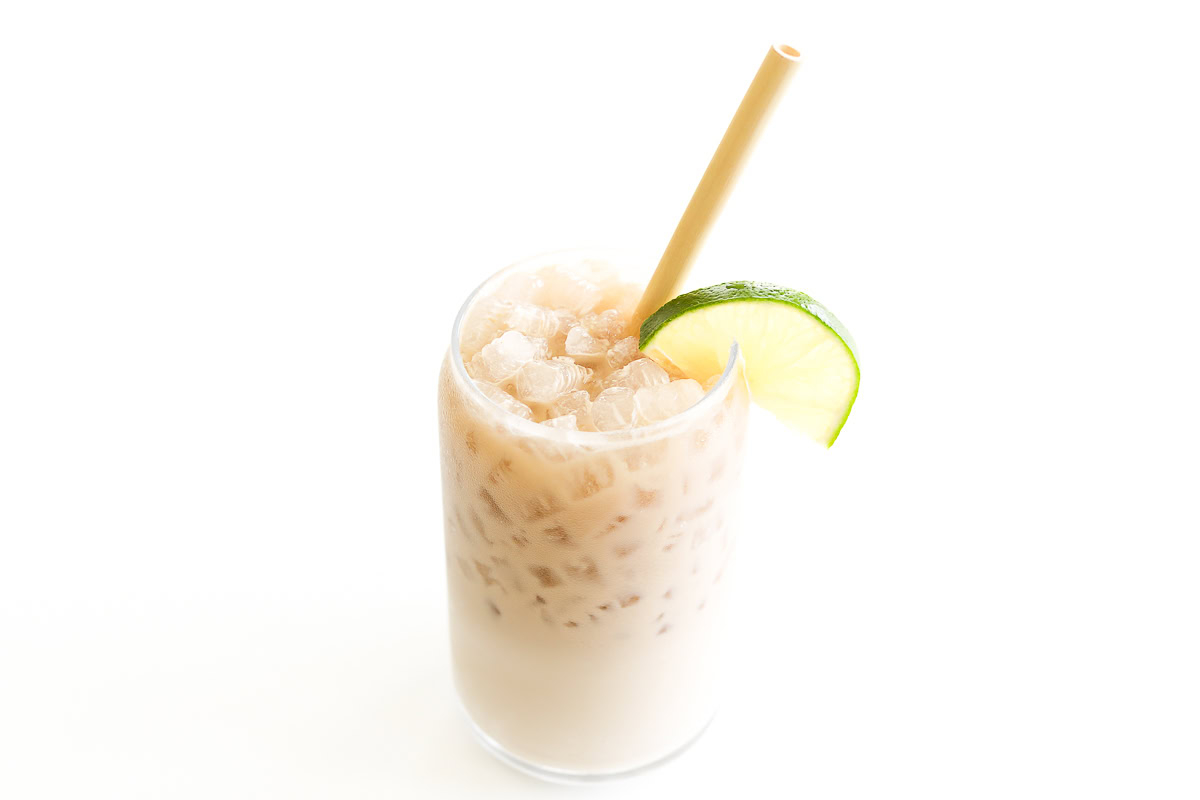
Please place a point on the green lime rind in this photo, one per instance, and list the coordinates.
(750, 292)
(740, 291)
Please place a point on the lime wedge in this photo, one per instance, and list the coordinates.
(800, 361)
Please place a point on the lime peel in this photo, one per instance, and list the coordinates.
(801, 362)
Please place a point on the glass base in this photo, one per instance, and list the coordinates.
(567, 776)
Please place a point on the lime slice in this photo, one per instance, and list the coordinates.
(800, 361)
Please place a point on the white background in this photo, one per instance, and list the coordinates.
(232, 239)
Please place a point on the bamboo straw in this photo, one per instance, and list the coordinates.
(718, 180)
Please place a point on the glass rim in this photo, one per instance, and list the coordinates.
(654, 430)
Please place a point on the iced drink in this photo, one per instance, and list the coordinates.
(589, 515)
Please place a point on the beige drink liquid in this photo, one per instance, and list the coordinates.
(586, 544)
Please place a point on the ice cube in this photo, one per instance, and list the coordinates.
(583, 568)
(646, 455)
(505, 400)
(658, 402)
(613, 409)
(501, 358)
(582, 346)
(483, 324)
(476, 367)
(563, 288)
(591, 477)
(544, 381)
(645, 372)
(568, 422)
(638, 374)
(605, 325)
(623, 352)
(576, 404)
(545, 576)
(566, 321)
(531, 320)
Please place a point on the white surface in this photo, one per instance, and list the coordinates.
(232, 238)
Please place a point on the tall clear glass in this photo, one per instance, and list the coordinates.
(585, 572)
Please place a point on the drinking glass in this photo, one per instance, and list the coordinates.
(585, 571)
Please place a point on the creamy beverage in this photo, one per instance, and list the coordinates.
(589, 501)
